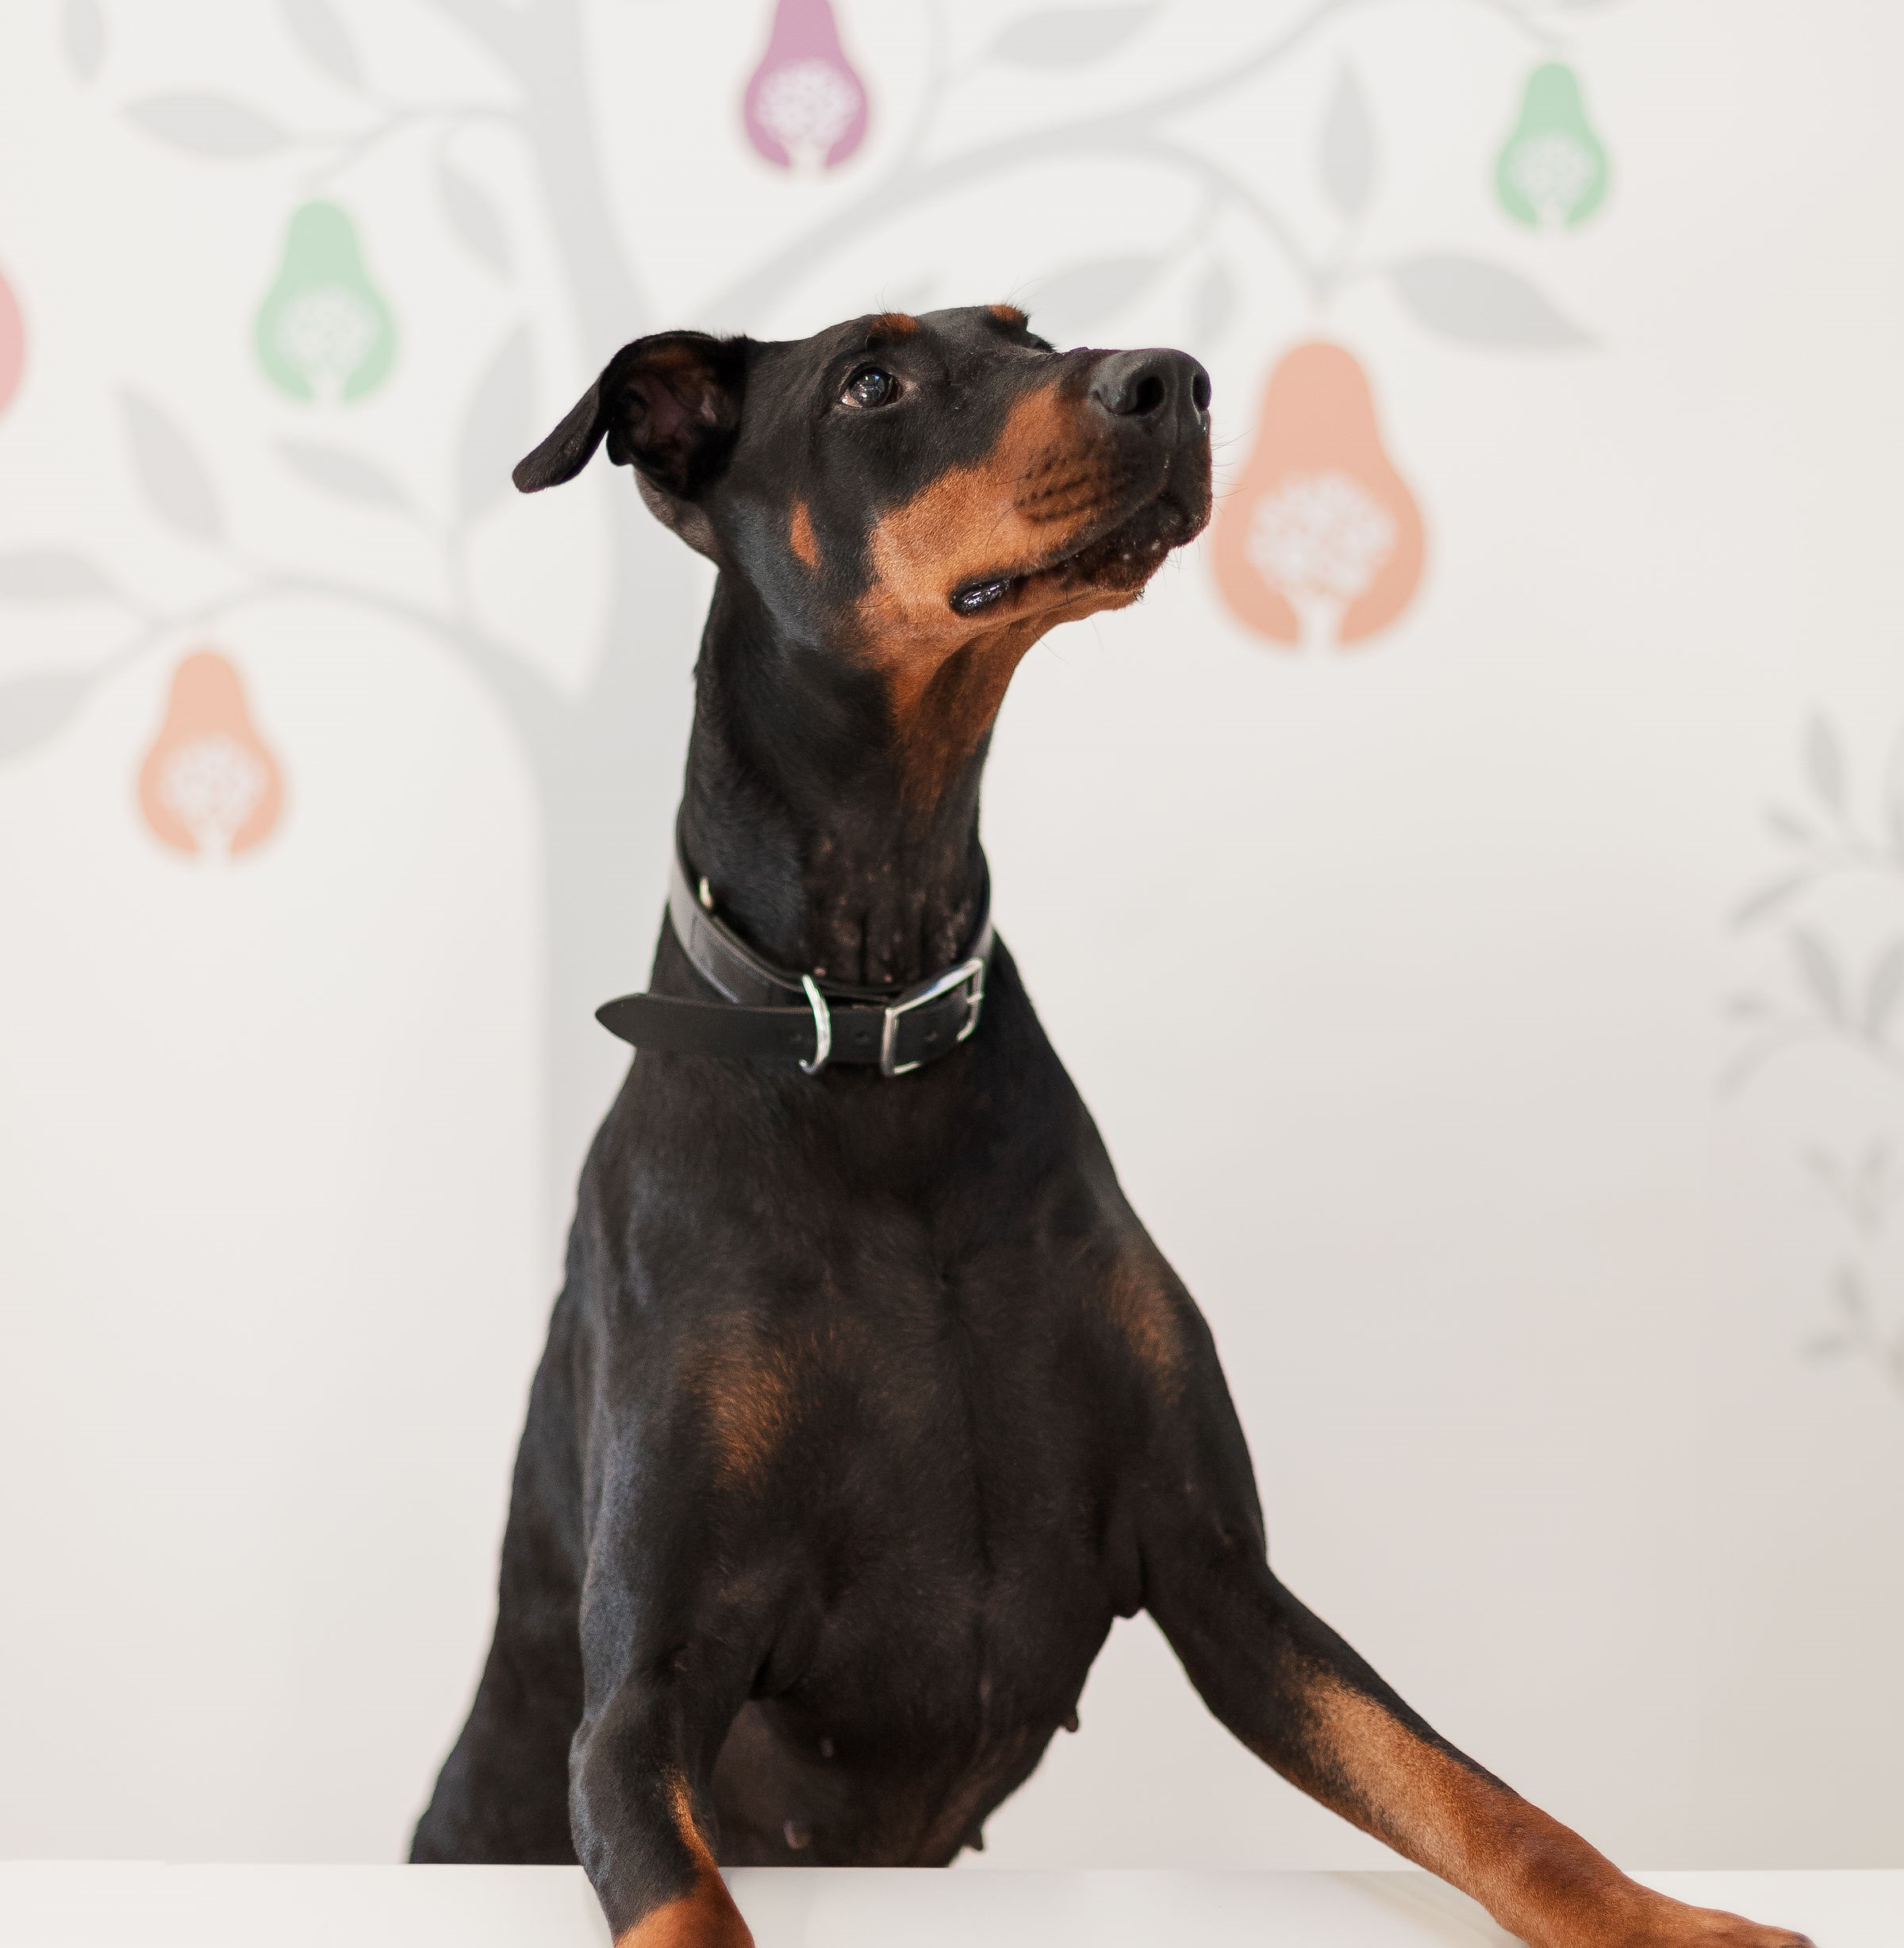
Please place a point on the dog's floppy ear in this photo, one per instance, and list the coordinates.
(669, 407)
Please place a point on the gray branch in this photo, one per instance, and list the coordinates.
(1122, 129)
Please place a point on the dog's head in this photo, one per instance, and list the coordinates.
(925, 496)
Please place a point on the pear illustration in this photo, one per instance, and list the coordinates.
(1320, 540)
(805, 105)
(12, 344)
(1553, 169)
(323, 331)
(208, 783)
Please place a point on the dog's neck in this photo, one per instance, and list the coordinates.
(795, 812)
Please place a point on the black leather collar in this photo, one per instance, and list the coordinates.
(768, 1011)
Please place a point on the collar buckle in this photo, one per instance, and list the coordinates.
(972, 970)
(823, 1025)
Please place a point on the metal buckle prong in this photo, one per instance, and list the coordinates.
(973, 970)
(823, 1026)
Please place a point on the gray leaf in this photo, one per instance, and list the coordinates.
(1075, 302)
(82, 37)
(1348, 147)
(1825, 762)
(178, 486)
(51, 575)
(1480, 304)
(473, 217)
(496, 429)
(1882, 989)
(1818, 972)
(1768, 899)
(1212, 303)
(347, 476)
(207, 125)
(33, 708)
(315, 27)
(1067, 36)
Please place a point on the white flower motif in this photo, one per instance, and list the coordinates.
(1553, 171)
(213, 785)
(1320, 534)
(807, 106)
(325, 333)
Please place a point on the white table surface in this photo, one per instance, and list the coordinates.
(96, 1904)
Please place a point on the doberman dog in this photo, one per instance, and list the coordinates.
(867, 1404)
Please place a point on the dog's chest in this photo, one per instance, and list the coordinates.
(951, 1482)
(958, 1480)
(961, 1582)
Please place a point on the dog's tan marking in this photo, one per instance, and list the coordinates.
(1537, 1878)
(801, 536)
(942, 713)
(1008, 314)
(1148, 1317)
(747, 1398)
(891, 324)
(681, 1802)
(705, 1915)
(1040, 489)
(999, 514)
(1380, 1775)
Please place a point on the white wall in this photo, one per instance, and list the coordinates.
(1539, 1331)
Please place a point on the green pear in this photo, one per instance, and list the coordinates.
(1553, 169)
(323, 331)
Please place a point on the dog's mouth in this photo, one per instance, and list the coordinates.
(1121, 555)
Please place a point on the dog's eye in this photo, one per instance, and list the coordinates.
(870, 385)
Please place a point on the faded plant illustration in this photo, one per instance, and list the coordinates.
(1836, 905)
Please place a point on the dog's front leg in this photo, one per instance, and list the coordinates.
(665, 1676)
(1297, 1695)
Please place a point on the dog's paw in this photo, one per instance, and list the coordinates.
(1645, 1920)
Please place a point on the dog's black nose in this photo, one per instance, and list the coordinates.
(1166, 392)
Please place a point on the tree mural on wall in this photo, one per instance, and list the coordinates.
(1321, 541)
(1842, 882)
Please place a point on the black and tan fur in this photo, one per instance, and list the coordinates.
(869, 1404)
